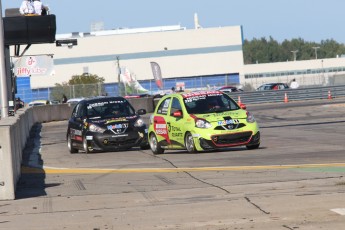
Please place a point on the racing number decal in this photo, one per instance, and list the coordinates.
(160, 127)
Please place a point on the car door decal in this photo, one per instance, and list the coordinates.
(160, 127)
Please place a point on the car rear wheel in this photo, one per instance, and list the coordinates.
(253, 146)
(189, 143)
(85, 146)
(154, 145)
(70, 145)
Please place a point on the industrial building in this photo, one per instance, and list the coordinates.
(194, 58)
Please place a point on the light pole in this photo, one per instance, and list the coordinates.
(294, 54)
(3, 79)
(316, 48)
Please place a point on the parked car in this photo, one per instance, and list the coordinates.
(229, 89)
(106, 124)
(273, 86)
(38, 102)
(201, 120)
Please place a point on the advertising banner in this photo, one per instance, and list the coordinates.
(32, 66)
(157, 74)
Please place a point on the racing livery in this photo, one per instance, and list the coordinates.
(106, 124)
(199, 121)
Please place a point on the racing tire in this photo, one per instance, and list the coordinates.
(189, 143)
(250, 147)
(85, 147)
(154, 145)
(70, 145)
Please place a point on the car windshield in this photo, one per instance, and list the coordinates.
(109, 109)
(208, 102)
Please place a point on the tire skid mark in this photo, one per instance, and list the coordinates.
(165, 179)
(47, 205)
(79, 184)
(148, 196)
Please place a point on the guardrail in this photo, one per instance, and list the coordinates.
(301, 94)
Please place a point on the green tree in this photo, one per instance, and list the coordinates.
(269, 50)
(84, 85)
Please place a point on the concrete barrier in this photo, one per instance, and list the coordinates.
(15, 131)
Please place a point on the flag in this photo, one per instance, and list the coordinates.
(132, 86)
(157, 74)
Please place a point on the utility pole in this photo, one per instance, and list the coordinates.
(294, 54)
(119, 75)
(316, 48)
(3, 78)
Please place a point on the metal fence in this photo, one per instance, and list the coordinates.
(301, 94)
(306, 92)
(113, 89)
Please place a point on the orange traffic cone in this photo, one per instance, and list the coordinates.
(329, 95)
(286, 100)
(239, 100)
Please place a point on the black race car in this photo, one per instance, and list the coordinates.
(106, 124)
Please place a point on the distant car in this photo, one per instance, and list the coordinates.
(229, 89)
(199, 121)
(54, 102)
(273, 86)
(106, 124)
(38, 103)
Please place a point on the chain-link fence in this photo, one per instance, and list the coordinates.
(113, 89)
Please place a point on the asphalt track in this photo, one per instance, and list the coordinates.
(295, 180)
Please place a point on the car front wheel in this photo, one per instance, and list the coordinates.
(85, 146)
(154, 145)
(189, 143)
(70, 145)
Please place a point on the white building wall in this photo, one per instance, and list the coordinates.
(181, 53)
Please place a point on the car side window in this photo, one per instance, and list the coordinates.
(75, 111)
(164, 106)
(80, 110)
(175, 106)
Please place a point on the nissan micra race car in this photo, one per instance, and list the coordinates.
(199, 121)
(106, 124)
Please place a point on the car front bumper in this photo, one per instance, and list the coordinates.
(110, 142)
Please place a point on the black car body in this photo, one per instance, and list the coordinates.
(106, 124)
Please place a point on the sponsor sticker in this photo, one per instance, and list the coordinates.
(229, 122)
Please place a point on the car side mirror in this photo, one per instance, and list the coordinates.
(141, 111)
(243, 106)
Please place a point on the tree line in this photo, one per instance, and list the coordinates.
(269, 50)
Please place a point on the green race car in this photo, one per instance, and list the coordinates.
(202, 120)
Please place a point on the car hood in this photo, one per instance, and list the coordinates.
(213, 117)
(115, 120)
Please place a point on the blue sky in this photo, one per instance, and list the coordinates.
(311, 20)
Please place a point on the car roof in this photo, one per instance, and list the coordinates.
(103, 98)
(198, 92)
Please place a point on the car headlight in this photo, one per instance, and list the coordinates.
(139, 123)
(96, 129)
(201, 123)
(250, 118)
